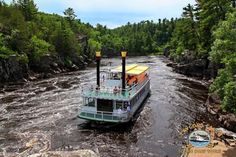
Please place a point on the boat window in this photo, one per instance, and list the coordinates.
(90, 102)
(119, 104)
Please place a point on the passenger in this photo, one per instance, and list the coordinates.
(119, 89)
(97, 88)
(119, 111)
(115, 90)
(128, 78)
(125, 106)
(91, 88)
(115, 76)
(128, 108)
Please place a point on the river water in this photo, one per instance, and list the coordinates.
(41, 116)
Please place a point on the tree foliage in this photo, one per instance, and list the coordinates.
(28, 8)
(138, 38)
(70, 14)
(224, 52)
(32, 35)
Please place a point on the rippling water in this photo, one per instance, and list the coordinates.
(40, 116)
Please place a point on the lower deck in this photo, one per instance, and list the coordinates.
(112, 110)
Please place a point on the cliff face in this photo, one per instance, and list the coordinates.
(12, 70)
(191, 66)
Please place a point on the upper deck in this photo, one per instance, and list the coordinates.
(136, 77)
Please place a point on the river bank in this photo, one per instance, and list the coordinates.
(13, 72)
(200, 70)
(213, 106)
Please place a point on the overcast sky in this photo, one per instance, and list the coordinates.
(115, 13)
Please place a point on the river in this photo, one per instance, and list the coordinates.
(41, 115)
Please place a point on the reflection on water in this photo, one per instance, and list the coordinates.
(41, 115)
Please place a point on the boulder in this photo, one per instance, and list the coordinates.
(78, 153)
(229, 121)
(12, 69)
(172, 64)
(196, 68)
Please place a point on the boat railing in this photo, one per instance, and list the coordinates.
(104, 115)
(111, 92)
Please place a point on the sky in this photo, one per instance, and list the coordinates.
(114, 13)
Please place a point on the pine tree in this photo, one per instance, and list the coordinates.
(233, 3)
(188, 12)
(29, 9)
(212, 11)
(70, 14)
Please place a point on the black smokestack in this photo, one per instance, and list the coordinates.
(98, 59)
(123, 54)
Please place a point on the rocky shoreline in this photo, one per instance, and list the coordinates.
(227, 120)
(198, 69)
(13, 72)
(77, 153)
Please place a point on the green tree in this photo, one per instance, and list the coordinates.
(29, 9)
(94, 45)
(185, 35)
(188, 12)
(39, 48)
(211, 12)
(4, 51)
(224, 52)
(70, 14)
(233, 3)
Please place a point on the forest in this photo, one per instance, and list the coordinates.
(204, 37)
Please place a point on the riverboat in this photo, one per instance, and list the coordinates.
(119, 94)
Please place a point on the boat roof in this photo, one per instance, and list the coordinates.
(127, 68)
(138, 70)
(132, 69)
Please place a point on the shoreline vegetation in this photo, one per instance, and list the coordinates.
(201, 43)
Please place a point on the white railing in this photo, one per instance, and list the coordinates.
(114, 92)
(104, 115)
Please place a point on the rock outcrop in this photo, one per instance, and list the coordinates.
(196, 68)
(227, 120)
(191, 66)
(12, 69)
(78, 153)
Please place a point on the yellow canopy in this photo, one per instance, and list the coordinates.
(132, 69)
(127, 68)
(138, 70)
